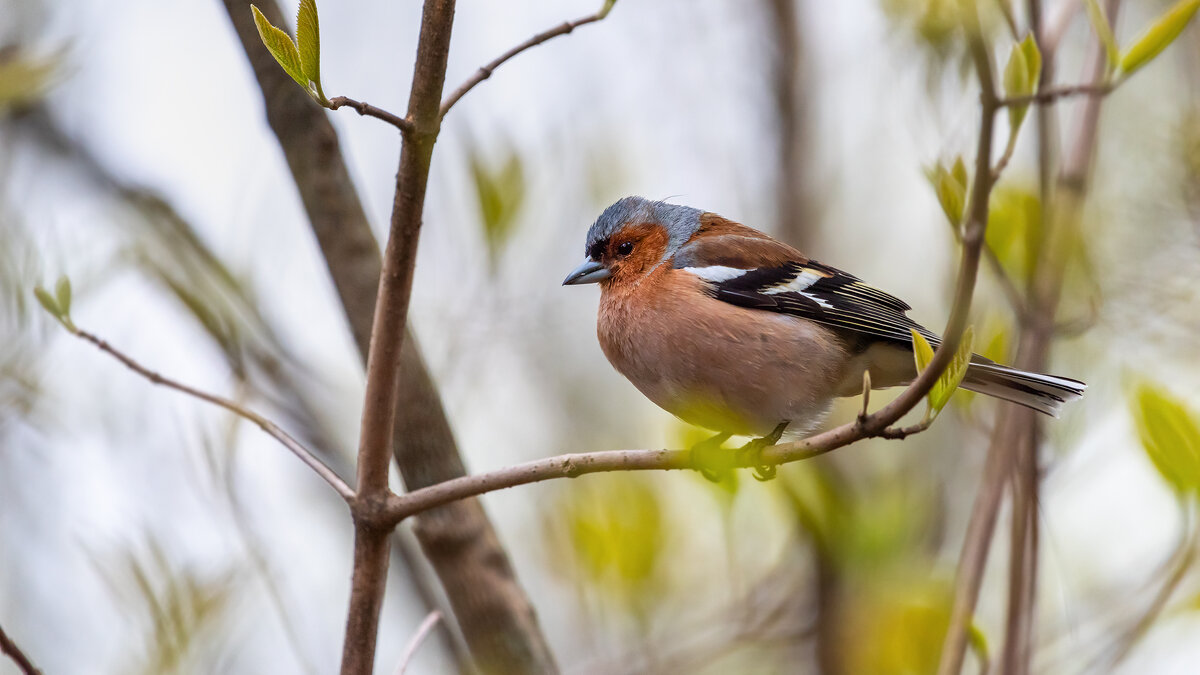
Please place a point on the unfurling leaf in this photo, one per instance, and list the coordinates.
(950, 186)
(62, 293)
(952, 376)
(940, 395)
(1021, 78)
(1170, 434)
(1159, 36)
(281, 47)
(606, 8)
(1103, 30)
(308, 43)
(47, 301)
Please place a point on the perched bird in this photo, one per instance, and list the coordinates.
(733, 331)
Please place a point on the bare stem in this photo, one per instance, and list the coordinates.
(272, 429)
(1053, 94)
(10, 649)
(486, 71)
(368, 110)
(419, 637)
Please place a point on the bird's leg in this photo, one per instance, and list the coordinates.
(707, 457)
(754, 448)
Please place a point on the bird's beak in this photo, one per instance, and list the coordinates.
(587, 273)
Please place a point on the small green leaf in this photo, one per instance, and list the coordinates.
(1016, 85)
(308, 43)
(1033, 59)
(922, 352)
(959, 173)
(1103, 30)
(606, 8)
(950, 378)
(48, 302)
(1159, 36)
(281, 47)
(62, 292)
(1170, 435)
(950, 186)
(979, 644)
(940, 395)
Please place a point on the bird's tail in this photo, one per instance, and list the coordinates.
(1043, 393)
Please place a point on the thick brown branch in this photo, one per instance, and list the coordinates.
(369, 110)
(486, 71)
(10, 649)
(272, 430)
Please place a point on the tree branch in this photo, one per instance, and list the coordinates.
(369, 110)
(486, 71)
(1053, 94)
(10, 649)
(387, 337)
(327, 474)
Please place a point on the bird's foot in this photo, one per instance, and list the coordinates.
(752, 452)
(710, 459)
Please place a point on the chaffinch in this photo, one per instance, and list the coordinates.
(733, 331)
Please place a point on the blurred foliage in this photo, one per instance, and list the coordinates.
(609, 529)
(947, 383)
(1021, 75)
(1170, 435)
(1014, 231)
(182, 614)
(25, 78)
(950, 186)
(1159, 35)
(895, 626)
(500, 189)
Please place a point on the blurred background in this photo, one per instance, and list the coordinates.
(142, 531)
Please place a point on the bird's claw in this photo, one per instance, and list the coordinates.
(753, 451)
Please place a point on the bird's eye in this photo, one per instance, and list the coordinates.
(625, 248)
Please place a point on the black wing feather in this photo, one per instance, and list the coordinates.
(834, 298)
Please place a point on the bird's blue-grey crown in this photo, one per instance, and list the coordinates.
(681, 222)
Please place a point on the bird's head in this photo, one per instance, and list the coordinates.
(631, 238)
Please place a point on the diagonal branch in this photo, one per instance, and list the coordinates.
(327, 474)
(368, 110)
(10, 649)
(1053, 94)
(486, 71)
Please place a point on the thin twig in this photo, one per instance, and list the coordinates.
(1052, 94)
(486, 71)
(10, 648)
(369, 110)
(423, 630)
(263, 423)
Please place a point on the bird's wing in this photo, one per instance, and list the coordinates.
(780, 279)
